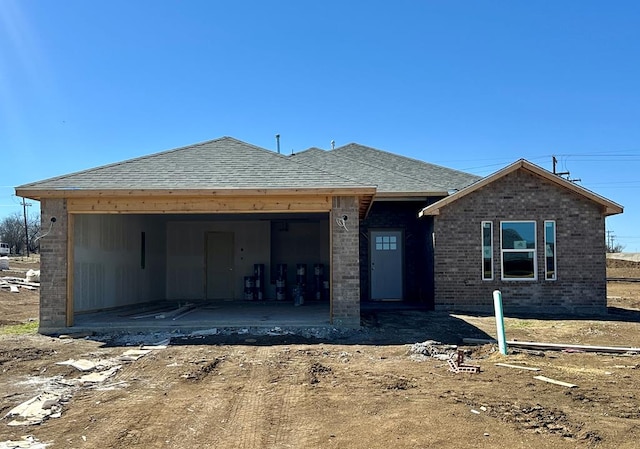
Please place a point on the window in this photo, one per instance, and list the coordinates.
(386, 243)
(550, 250)
(487, 251)
(518, 250)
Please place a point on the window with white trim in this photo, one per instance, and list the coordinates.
(550, 270)
(487, 250)
(518, 250)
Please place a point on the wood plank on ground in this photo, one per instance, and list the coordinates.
(528, 368)
(555, 382)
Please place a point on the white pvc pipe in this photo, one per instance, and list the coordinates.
(497, 305)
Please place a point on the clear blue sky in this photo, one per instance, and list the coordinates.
(472, 85)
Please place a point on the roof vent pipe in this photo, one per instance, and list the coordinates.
(278, 142)
(333, 144)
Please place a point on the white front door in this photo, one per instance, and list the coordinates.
(386, 265)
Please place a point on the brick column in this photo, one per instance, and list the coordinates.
(345, 263)
(53, 265)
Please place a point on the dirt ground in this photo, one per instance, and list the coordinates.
(360, 390)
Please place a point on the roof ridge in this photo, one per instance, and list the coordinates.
(390, 170)
(266, 150)
(407, 158)
(306, 151)
(146, 156)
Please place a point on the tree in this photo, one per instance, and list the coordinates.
(615, 247)
(33, 225)
(12, 232)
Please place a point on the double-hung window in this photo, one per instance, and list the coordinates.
(518, 250)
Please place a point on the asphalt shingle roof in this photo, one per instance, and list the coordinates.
(228, 163)
(389, 172)
(224, 163)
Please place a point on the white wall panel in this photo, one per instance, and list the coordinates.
(107, 257)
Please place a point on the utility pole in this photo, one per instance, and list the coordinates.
(26, 229)
(562, 173)
(609, 240)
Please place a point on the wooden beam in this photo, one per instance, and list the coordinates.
(151, 205)
(71, 192)
(408, 196)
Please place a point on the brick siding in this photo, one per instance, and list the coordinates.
(345, 266)
(53, 265)
(580, 249)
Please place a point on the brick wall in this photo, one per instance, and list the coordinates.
(418, 267)
(581, 265)
(345, 266)
(53, 265)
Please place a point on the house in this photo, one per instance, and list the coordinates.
(224, 221)
(533, 235)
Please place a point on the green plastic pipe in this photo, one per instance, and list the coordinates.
(497, 305)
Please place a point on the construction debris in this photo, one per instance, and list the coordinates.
(557, 346)
(13, 283)
(99, 376)
(49, 403)
(75, 335)
(449, 353)
(187, 310)
(556, 382)
(155, 347)
(434, 349)
(176, 313)
(80, 365)
(33, 276)
(132, 355)
(89, 365)
(36, 410)
(204, 332)
(458, 365)
(278, 331)
(563, 347)
(27, 442)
